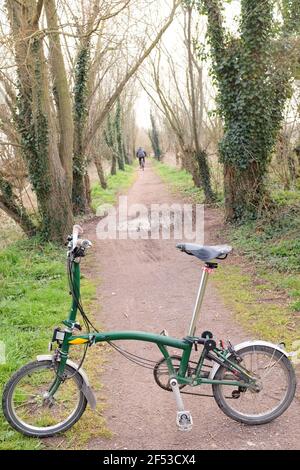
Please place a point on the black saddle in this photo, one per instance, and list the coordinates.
(205, 253)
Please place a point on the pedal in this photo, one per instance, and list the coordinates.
(184, 421)
(184, 418)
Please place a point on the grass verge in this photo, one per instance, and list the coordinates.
(179, 181)
(115, 184)
(264, 290)
(33, 300)
(262, 285)
(260, 302)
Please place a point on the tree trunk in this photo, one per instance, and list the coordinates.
(113, 170)
(58, 218)
(119, 136)
(51, 187)
(200, 154)
(244, 191)
(204, 175)
(297, 153)
(292, 169)
(80, 203)
(190, 165)
(253, 88)
(99, 167)
(9, 204)
(125, 155)
(193, 169)
(37, 125)
(79, 193)
(121, 165)
(87, 186)
(61, 94)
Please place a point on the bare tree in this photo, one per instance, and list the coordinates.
(101, 82)
(176, 87)
(63, 99)
(197, 107)
(48, 168)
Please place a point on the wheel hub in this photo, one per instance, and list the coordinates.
(48, 400)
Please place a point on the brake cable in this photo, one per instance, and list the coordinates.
(86, 320)
(138, 360)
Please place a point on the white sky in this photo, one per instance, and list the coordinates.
(170, 39)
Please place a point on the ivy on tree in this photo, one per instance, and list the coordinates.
(252, 93)
(33, 128)
(113, 136)
(79, 196)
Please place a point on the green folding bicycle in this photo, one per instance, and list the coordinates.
(253, 382)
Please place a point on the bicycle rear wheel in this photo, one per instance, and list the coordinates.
(28, 409)
(277, 385)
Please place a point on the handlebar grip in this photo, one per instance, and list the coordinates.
(76, 231)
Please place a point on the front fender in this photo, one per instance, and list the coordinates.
(86, 389)
(245, 344)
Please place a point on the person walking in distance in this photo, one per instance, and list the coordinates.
(141, 154)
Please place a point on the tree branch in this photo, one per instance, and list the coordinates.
(130, 73)
(11, 143)
(37, 15)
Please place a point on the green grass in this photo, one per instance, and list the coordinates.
(33, 300)
(265, 291)
(273, 241)
(263, 309)
(179, 181)
(115, 184)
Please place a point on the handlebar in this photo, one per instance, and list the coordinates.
(76, 245)
(76, 231)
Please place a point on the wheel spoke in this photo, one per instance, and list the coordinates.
(31, 409)
(273, 381)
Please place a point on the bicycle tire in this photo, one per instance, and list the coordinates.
(34, 431)
(251, 419)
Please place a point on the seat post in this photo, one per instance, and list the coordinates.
(207, 269)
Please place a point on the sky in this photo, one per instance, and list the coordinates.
(143, 105)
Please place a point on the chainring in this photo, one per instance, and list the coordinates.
(161, 372)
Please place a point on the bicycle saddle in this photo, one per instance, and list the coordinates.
(205, 253)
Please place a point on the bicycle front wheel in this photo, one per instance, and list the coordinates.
(276, 386)
(27, 407)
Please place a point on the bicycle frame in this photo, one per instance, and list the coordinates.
(185, 345)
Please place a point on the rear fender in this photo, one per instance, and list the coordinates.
(86, 389)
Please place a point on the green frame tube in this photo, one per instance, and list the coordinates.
(162, 341)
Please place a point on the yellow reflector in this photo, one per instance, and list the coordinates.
(78, 341)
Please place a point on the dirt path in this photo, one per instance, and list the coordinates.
(149, 285)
